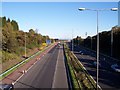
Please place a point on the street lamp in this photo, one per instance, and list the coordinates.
(72, 42)
(82, 9)
(111, 42)
(112, 33)
(114, 9)
(91, 42)
(25, 44)
(97, 12)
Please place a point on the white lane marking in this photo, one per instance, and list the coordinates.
(86, 70)
(24, 74)
(53, 84)
(22, 62)
(29, 68)
(17, 79)
(101, 54)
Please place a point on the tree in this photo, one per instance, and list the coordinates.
(15, 25)
(8, 20)
(4, 21)
(105, 42)
(31, 31)
(13, 40)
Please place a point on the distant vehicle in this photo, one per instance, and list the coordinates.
(6, 86)
(59, 45)
(115, 67)
(95, 64)
(81, 52)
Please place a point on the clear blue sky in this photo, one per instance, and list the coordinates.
(58, 19)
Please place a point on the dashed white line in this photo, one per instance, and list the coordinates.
(30, 67)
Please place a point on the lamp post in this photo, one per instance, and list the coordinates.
(111, 42)
(91, 43)
(112, 34)
(97, 13)
(25, 44)
(72, 42)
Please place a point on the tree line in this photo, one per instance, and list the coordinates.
(105, 45)
(13, 39)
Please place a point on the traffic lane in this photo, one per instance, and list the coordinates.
(104, 61)
(105, 73)
(60, 72)
(108, 60)
(111, 79)
(41, 74)
(86, 52)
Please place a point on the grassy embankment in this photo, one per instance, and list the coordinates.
(80, 77)
(14, 60)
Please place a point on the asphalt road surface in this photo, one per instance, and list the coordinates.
(48, 72)
(108, 79)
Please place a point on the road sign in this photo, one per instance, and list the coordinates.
(48, 41)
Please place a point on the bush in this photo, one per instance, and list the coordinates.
(42, 46)
(6, 56)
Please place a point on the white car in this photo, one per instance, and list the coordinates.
(95, 64)
(115, 67)
(81, 52)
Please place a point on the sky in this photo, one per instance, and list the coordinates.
(61, 19)
(59, 0)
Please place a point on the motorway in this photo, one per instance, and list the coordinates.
(108, 79)
(48, 72)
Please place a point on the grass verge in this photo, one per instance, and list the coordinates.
(9, 71)
(75, 83)
(80, 77)
(72, 74)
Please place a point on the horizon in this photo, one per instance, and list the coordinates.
(60, 19)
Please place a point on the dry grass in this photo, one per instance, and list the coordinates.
(8, 64)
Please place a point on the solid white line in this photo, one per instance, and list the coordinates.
(89, 74)
(23, 74)
(22, 62)
(17, 79)
(53, 84)
(29, 68)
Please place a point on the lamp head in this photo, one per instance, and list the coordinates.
(114, 9)
(82, 9)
